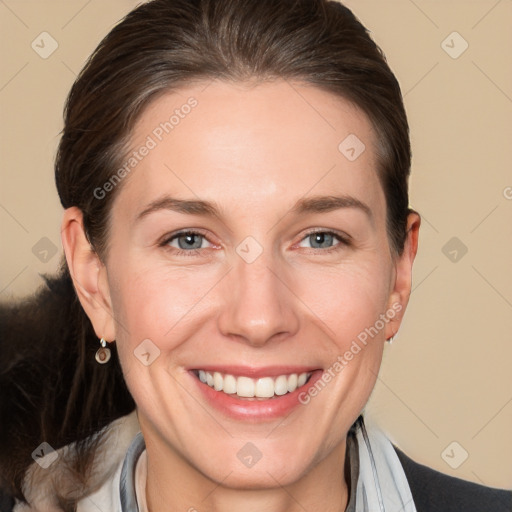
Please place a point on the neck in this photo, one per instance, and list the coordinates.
(174, 484)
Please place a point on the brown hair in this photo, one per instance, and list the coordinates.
(158, 47)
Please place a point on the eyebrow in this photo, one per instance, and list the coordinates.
(315, 204)
(319, 204)
(188, 206)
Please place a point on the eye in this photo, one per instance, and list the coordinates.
(186, 242)
(323, 240)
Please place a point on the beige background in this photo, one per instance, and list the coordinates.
(447, 377)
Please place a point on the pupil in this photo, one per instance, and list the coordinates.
(322, 239)
(189, 241)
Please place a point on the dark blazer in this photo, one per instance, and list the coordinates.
(433, 491)
(6, 503)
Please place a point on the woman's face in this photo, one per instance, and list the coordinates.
(286, 270)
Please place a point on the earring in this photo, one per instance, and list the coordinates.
(103, 353)
(390, 340)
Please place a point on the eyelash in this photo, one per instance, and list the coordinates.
(181, 252)
(344, 241)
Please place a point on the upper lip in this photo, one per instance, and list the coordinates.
(255, 372)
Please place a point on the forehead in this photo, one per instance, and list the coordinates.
(254, 145)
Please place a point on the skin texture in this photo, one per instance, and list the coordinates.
(253, 150)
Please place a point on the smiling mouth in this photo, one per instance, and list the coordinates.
(247, 388)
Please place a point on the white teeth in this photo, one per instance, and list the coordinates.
(281, 385)
(246, 387)
(229, 385)
(265, 387)
(292, 382)
(217, 381)
(301, 380)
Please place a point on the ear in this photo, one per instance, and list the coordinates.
(401, 290)
(89, 274)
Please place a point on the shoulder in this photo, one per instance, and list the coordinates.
(44, 485)
(434, 491)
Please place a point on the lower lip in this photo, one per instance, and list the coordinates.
(256, 410)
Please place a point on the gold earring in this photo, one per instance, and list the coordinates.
(103, 353)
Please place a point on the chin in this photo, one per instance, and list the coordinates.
(244, 466)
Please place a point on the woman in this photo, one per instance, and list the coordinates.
(238, 248)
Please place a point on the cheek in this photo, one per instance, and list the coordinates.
(157, 303)
(348, 299)
(152, 308)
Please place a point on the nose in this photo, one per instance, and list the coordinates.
(258, 305)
